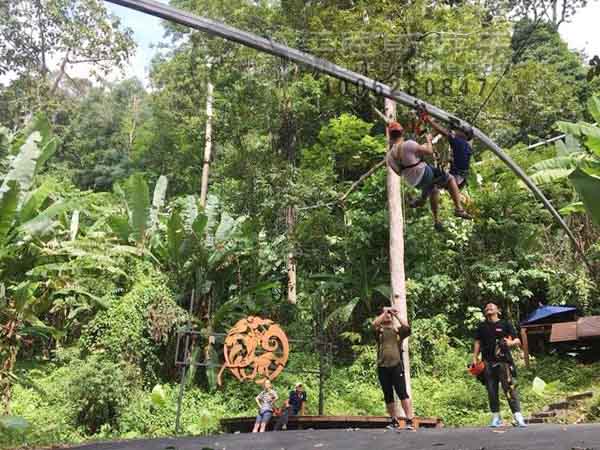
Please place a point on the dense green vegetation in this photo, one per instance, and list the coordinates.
(103, 238)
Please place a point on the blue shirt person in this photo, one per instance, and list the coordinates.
(296, 400)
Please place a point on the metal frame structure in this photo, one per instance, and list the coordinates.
(265, 45)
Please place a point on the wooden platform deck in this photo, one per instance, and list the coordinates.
(245, 424)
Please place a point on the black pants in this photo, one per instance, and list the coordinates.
(500, 374)
(392, 378)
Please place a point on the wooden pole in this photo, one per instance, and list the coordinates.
(207, 144)
(290, 220)
(398, 282)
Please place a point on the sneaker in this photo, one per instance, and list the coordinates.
(408, 426)
(496, 422)
(519, 421)
(439, 227)
(462, 214)
(393, 424)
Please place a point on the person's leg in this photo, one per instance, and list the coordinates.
(385, 380)
(434, 201)
(402, 393)
(265, 420)
(454, 191)
(257, 423)
(512, 395)
(492, 385)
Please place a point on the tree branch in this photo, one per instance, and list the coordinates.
(362, 178)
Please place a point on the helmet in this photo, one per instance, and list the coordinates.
(477, 369)
(395, 126)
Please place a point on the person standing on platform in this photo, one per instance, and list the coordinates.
(266, 403)
(391, 330)
(494, 339)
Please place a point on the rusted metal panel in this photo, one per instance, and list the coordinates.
(588, 327)
(564, 332)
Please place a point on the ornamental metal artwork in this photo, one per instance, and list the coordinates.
(255, 349)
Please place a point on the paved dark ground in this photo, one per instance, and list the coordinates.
(536, 437)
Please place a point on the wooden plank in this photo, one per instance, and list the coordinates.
(582, 396)
(324, 66)
(588, 327)
(564, 332)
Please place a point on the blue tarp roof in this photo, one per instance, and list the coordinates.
(546, 311)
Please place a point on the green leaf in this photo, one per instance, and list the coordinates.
(560, 162)
(572, 144)
(341, 315)
(74, 226)
(175, 235)
(137, 197)
(14, 424)
(158, 396)
(586, 180)
(594, 108)
(23, 165)
(34, 201)
(120, 226)
(550, 175)
(199, 225)
(44, 221)
(158, 199)
(8, 208)
(24, 294)
(573, 208)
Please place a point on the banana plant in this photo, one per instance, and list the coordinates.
(578, 160)
(139, 221)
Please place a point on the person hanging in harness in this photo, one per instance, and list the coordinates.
(390, 368)
(494, 339)
(459, 139)
(404, 157)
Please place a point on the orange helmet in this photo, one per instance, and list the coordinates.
(395, 126)
(477, 369)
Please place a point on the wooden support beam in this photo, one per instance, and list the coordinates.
(267, 45)
(397, 275)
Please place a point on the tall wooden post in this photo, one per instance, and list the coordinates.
(398, 282)
(207, 143)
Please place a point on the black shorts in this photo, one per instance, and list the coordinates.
(392, 378)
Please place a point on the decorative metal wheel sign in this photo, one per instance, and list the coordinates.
(255, 349)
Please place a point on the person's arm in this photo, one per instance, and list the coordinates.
(378, 320)
(257, 400)
(404, 329)
(476, 351)
(512, 341)
(437, 127)
(427, 148)
(302, 407)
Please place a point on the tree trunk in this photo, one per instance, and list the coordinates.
(290, 220)
(398, 283)
(207, 143)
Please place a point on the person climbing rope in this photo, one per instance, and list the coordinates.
(404, 159)
(493, 339)
(390, 368)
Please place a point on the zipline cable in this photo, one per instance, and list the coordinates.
(267, 45)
